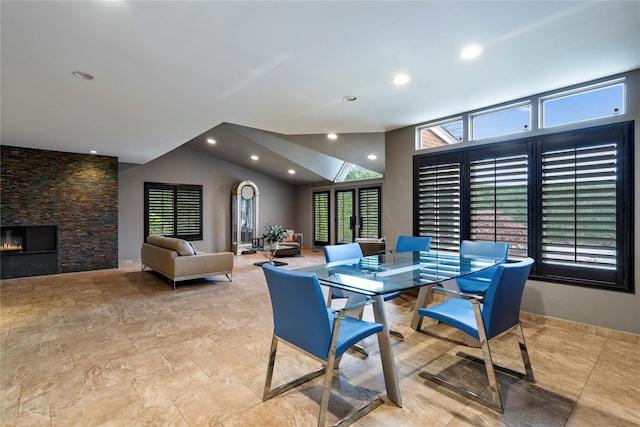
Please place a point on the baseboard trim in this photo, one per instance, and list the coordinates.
(582, 327)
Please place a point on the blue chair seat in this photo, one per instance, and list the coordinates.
(456, 312)
(352, 331)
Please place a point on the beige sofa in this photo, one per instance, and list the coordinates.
(177, 260)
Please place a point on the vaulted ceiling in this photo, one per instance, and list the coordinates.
(272, 75)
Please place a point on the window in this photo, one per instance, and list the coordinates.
(504, 121)
(498, 201)
(369, 212)
(563, 199)
(345, 215)
(351, 172)
(173, 210)
(357, 213)
(582, 206)
(590, 101)
(321, 211)
(604, 100)
(439, 202)
(437, 135)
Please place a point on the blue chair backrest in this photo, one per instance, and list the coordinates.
(485, 248)
(344, 252)
(497, 250)
(413, 243)
(300, 313)
(503, 298)
(334, 253)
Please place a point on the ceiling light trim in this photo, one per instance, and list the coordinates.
(82, 75)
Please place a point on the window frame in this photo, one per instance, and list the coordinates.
(436, 129)
(365, 197)
(533, 147)
(582, 90)
(536, 114)
(324, 223)
(175, 216)
(499, 110)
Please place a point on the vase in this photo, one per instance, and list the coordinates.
(271, 252)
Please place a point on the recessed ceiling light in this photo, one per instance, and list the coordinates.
(401, 79)
(372, 157)
(292, 172)
(254, 157)
(82, 75)
(332, 136)
(470, 51)
(211, 140)
(350, 98)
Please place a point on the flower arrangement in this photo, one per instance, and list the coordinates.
(274, 233)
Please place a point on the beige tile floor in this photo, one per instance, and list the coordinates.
(121, 348)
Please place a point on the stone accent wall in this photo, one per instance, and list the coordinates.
(76, 192)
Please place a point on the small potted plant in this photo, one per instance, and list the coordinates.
(273, 235)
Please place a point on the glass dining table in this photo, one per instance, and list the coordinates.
(377, 275)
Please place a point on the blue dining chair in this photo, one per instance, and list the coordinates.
(345, 252)
(408, 244)
(301, 319)
(484, 318)
(478, 283)
(413, 243)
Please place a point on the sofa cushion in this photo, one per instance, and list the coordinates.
(182, 247)
(289, 236)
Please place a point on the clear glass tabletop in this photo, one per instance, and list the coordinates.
(382, 274)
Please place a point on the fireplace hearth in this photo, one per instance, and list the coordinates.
(28, 251)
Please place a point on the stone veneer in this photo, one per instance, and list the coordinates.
(76, 192)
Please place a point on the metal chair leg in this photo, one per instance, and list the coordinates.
(396, 334)
(528, 371)
(268, 393)
(328, 369)
(495, 402)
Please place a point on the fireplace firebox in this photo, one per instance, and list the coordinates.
(11, 239)
(28, 250)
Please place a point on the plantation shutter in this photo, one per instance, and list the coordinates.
(189, 211)
(369, 212)
(173, 210)
(499, 202)
(160, 211)
(321, 218)
(563, 199)
(579, 206)
(439, 205)
(345, 216)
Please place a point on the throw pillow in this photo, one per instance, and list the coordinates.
(192, 247)
(289, 237)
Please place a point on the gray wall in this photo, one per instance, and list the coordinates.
(277, 202)
(609, 309)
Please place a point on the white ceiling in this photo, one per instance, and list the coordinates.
(168, 71)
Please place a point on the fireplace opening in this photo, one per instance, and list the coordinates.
(12, 239)
(28, 251)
